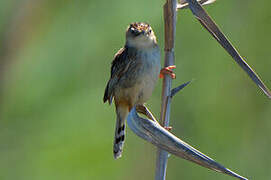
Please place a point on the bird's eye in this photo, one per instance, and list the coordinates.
(150, 30)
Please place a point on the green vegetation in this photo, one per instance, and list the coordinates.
(55, 58)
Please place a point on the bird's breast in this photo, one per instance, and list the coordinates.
(139, 81)
(149, 75)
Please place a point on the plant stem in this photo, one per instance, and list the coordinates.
(170, 10)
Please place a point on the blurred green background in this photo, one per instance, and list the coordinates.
(54, 64)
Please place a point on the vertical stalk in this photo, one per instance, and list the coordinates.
(170, 10)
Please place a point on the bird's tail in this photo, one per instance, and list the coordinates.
(122, 113)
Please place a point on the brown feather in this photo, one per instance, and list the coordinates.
(119, 66)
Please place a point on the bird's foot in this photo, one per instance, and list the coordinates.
(169, 128)
(168, 70)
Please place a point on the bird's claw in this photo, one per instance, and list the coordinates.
(168, 70)
(169, 128)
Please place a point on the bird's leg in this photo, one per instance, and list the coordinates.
(168, 70)
(141, 108)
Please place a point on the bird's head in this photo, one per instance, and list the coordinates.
(140, 35)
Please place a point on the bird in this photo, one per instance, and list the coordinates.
(135, 70)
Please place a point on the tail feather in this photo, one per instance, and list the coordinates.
(119, 141)
(119, 132)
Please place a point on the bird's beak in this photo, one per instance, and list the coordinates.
(152, 132)
(143, 32)
(137, 32)
(207, 22)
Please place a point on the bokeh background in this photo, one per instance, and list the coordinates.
(54, 64)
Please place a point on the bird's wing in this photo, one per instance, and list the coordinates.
(119, 66)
